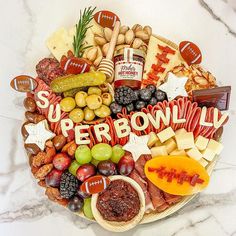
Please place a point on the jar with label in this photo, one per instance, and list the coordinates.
(129, 66)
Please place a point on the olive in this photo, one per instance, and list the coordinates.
(80, 99)
(59, 141)
(94, 90)
(93, 101)
(103, 111)
(77, 115)
(106, 99)
(30, 104)
(104, 88)
(67, 104)
(88, 114)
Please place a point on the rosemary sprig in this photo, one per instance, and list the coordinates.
(81, 29)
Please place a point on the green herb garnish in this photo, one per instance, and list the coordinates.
(81, 29)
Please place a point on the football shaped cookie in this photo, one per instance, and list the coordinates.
(95, 184)
(190, 52)
(24, 83)
(106, 18)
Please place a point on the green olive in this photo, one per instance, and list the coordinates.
(88, 114)
(94, 90)
(80, 99)
(93, 101)
(77, 115)
(104, 88)
(67, 104)
(106, 99)
(103, 111)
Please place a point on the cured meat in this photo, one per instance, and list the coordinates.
(157, 198)
(140, 163)
(171, 199)
(143, 184)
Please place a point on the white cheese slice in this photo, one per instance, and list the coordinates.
(203, 162)
(208, 154)
(194, 153)
(152, 139)
(177, 152)
(185, 141)
(170, 145)
(166, 134)
(215, 146)
(159, 151)
(180, 131)
(201, 142)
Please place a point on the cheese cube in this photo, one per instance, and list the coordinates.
(180, 131)
(159, 151)
(185, 140)
(152, 139)
(215, 146)
(170, 145)
(194, 153)
(203, 162)
(201, 142)
(208, 154)
(158, 143)
(177, 152)
(166, 134)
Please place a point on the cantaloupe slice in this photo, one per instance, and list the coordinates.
(179, 163)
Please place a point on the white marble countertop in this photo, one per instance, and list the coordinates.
(25, 24)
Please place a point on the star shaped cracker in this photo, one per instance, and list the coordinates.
(137, 145)
(174, 86)
(38, 134)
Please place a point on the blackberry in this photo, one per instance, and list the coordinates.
(124, 95)
(151, 88)
(69, 185)
(115, 108)
(130, 107)
(160, 95)
(145, 94)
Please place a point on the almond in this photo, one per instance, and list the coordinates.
(92, 53)
(124, 29)
(129, 36)
(142, 35)
(107, 34)
(100, 40)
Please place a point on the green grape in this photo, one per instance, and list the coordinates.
(74, 167)
(87, 208)
(94, 162)
(83, 154)
(117, 153)
(101, 151)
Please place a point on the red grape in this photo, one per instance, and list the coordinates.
(61, 161)
(85, 171)
(106, 168)
(126, 164)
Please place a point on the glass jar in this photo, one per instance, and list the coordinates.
(129, 64)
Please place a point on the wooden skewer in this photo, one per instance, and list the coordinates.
(107, 65)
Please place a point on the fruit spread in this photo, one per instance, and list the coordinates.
(120, 122)
(129, 68)
(119, 202)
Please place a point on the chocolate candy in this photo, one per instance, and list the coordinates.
(32, 148)
(34, 117)
(59, 141)
(215, 97)
(30, 104)
(24, 131)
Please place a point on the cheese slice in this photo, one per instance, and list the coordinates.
(201, 142)
(185, 141)
(177, 152)
(151, 58)
(215, 146)
(59, 43)
(159, 151)
(194, 153)
(170, 145)
(208, 154)
(180, 131)
(166, 134)
(152, 139)
(203, 162)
